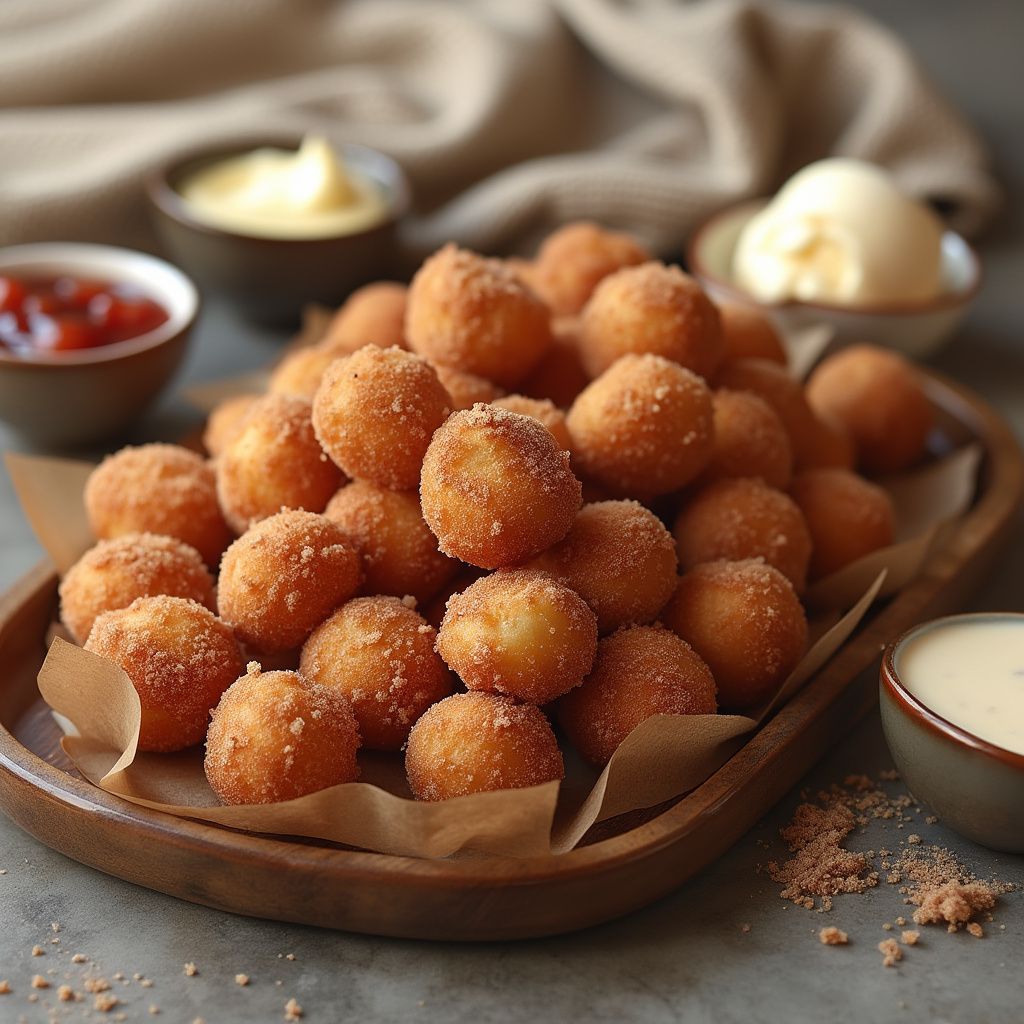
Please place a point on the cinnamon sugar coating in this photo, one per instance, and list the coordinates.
(750, 440)
(545, 412)
(301, 371)
(179, 657)
(477, 742)
(466, 389)
(749, 334)
(276, 736)
(224, 422)
(371, 315)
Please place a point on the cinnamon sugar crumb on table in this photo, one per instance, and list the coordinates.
(891, 952)
(832, 936)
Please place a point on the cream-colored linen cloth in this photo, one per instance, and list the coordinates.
(510, 116)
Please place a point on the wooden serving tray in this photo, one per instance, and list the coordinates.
(625, 863)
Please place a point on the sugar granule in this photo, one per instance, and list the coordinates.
(190, 970)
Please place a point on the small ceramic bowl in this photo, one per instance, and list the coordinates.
(975, 787)
(71, 399)
(271, 279)
(917, 329)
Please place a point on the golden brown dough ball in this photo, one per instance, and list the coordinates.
(651, 309)
(495, 488)
(274, 462)
(645, 427)
(546, 413)
(284, 576)
(521, 633)
(619, 558)
(372, 315)
(878, 397)
(476, 315)
(478, 742)
(640, 671)
(559, 376)
(575, 258)
(380, 655)
(276, 736)
(375, 413)
(158, 488)
(179, 657)
(827, 445)
(848, 517)
(400, 554)
(749, 334)
(745, 620)
(466, 389)
(741, 519)
(115, 572)
(225, 421)
(750, 440)
(782, 392)
(300, 372)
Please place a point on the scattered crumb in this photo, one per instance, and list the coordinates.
(289, 956)
(3, 871)
(154, 1010)
(833, 936)
(38, 951)
(292, 1010)
(931, 819)
(909, 938)
(55, 926)
(66, 994)
(191, 970)
(745, 928)
(38, 981)
(242, 979)
(94, 985)
(901, 921)
(79, 958)
(119, 976)
(887, 927)
(891, 952)
(146, 983)
(976, 930)
(105, 1002)
(5, 987)
(914, 839)
(952, 901)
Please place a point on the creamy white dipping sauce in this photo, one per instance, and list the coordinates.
(970, 672)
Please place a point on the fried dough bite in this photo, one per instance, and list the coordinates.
(179, 657)
(276, 736)
(749, 334)
(380, 655)
(477, 742)
(371, 315)
(651, 309)
(375, 413)
(546, 413)
(559, 376)
(750, 440)
(115, 572)
(158, 488)
(619, 558)
(741, 519)
(466, 389)
(827, 445)
(644, 428)
(640, 671)
(476, 315)
(301, 371)
(848, 517)
(225, 421)
(745, 620)
(495, 488)
(284, 576)
(274, 462)
(520, 633)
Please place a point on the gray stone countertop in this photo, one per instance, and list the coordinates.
(724, 947)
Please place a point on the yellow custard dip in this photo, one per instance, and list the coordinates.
(970, 671)
(279, 193)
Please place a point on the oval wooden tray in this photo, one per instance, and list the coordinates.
(624, 864)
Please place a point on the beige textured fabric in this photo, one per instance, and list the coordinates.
(510, 116)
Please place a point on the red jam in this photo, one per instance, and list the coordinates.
(61, 314)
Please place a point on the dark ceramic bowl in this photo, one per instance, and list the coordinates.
(70, 399)
(271, 279)
(976, 787)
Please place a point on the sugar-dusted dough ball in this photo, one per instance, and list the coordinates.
(158, 488)
(640, 671)
(179, 657)
(400, 554)
(284, 576)
(749, 334)
(848, 517)
(745, 620)
(827, 445)
(651, 309)
(559, 376)
(276, 736)
(544, 412)
(476, 315)
(274, 462)
(619, 558)
(878, 397)
(521, 633)
(750, 440)
(375, 413)
(466, 389)
(371, 315)
(380, 654)
(115, 572)
(301, 371)
(645, 427)
(477, 742)
(495, 488)
(740, 519)
(575, 258)
(224, 422)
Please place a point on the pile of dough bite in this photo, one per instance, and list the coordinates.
(571, 490)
